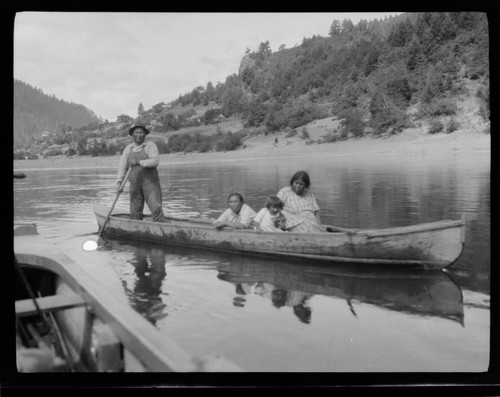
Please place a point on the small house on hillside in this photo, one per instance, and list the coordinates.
(123, 118)
(155, 125)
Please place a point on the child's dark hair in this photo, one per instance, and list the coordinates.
(274, 201)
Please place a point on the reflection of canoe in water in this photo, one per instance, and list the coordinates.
(433, 245)
(425, 293)
(414, 291)
(66, 321)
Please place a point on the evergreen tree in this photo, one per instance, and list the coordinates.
(335, 28)
(347, 26)
(255, 113)
(448, 29)
(232, 101)
(415, 54)
(210, 90)
(264, 49)
(401, 34)
(370, 61)
(362, 26)
(247, 76)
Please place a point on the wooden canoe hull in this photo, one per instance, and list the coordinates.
(433, 245)
(101, 321)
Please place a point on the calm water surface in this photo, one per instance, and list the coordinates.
(274, 315)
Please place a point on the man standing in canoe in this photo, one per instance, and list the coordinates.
(144, 158)
(239, 215)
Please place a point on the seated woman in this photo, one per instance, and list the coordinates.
(239, 215)
(299, 204)
(270, 218)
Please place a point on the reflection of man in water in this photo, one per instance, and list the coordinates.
(147, 290)
(279, 298)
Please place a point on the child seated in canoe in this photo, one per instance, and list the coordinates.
(270, 218)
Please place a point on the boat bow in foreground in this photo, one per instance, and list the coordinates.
(94, 331)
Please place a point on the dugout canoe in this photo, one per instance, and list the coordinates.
(433, 245)
(61, 309)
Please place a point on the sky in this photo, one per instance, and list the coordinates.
(111, 62)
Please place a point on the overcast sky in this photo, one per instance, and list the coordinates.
(110, 62)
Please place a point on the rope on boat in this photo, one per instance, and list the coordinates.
(41, 314)
(64, 344)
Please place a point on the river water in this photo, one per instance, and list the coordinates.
(271, 315)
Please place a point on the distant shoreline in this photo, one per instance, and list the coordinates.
(410, 142)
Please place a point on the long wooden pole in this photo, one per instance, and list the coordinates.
(114, 202)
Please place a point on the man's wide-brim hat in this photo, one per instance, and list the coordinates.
(137, 125)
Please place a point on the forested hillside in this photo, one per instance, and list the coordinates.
(416, 69)
(36, 112)
(371, 74)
